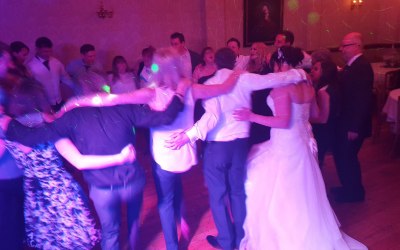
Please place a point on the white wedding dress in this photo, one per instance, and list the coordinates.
(287, 206)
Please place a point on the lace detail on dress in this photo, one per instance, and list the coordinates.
(56, 210)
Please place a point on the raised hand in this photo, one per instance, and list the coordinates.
(177, 140)
(242, 114)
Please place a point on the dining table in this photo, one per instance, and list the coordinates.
(380, 70)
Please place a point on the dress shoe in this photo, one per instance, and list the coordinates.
(212, 240)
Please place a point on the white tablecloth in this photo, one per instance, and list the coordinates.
(390, 107)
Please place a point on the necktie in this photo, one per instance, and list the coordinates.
(46, 64)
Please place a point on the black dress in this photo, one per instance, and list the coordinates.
(198, 107)
(260, 133)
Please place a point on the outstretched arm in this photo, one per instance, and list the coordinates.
(86, 162)
(253, 82)
(141, 96)
(201, 91)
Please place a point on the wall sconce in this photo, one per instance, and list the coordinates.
(103, 13)
(356, 4)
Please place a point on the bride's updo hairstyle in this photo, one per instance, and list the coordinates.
(286, 54)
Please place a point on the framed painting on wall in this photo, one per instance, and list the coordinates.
(263, 19)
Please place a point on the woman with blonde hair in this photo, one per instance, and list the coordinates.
(258, 59)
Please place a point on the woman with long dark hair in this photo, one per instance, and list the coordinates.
(121, 79)
(324, 75)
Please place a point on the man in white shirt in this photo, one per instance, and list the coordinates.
(49, 71)
(189, 59)
(241, 60)
(227, 145)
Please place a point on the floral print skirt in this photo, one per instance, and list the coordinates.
(57, 214)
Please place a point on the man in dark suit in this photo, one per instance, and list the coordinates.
(355, 122)
(189, 59)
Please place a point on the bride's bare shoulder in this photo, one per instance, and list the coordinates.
(285, 90)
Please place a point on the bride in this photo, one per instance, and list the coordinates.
(287, 206)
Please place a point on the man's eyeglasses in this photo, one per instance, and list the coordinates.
(346, 45)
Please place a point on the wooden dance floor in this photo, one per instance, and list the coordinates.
(375, 222)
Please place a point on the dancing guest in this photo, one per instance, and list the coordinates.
(121, 80)
(169, 164)
(287, 206)
(40, 167)
(11, 181)
(227, 145)
(105, 131)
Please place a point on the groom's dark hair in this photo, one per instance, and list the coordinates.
(225, 58)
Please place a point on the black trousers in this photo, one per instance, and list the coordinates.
(345, 154)
(12, 228)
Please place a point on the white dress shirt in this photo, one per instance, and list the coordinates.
(218, 124)
(350, 62)
(180, 160)
(50, 78)
(241, 62)
(186, 64)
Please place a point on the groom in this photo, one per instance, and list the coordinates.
(227, 146)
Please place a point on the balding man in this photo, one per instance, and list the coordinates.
(355, 120)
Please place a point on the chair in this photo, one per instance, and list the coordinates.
(380, 95)
(392, 80)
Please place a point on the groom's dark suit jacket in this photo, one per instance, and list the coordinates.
(356, 82)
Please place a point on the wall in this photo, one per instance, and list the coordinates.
(136, 24)
(315, 23)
